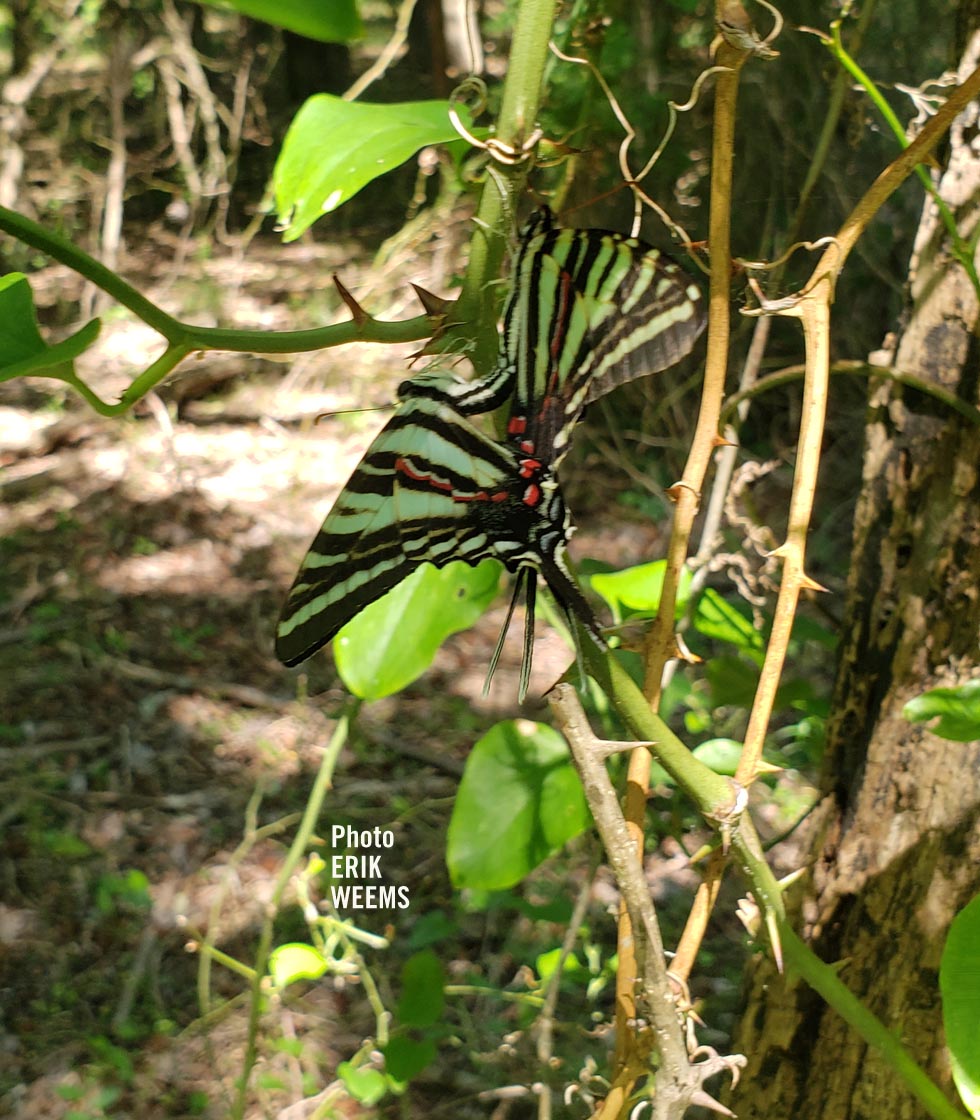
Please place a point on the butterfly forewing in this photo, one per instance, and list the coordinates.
(590, 310)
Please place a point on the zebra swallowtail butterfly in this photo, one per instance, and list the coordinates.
(587, 310)
(431, 488)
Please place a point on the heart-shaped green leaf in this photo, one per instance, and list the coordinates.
(520, 801)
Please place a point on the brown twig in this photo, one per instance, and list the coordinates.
(660, 647)
(678, 1082)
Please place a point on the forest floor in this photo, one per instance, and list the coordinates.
(148, 731)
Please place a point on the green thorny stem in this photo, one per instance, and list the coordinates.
(477, 302)
(184, 338)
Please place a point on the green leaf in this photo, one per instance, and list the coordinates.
(393, 640)
(295, 961)
(422, 999)
(721, 755)
(519, 801)
(431, 928)
(405, 1058)
(334, 147)
(365, 1085)
(716, 618)
(546, 964)
(22, 350)
(958, 710)
(959, 985)
(637, 590)
(329, 21)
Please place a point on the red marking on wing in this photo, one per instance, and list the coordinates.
(480, 496)
(558, 341)
(532, 495)
(403, 466)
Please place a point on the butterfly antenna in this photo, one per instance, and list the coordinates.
(503, 632)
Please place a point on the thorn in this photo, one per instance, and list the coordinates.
(427, 350)
(702, 853)
(720, 441)
(705, 1100)
(606, 747)
(793, 877)
(808, 584)
(435, 306)
(674, 492)
(763, 767)
(780, 553)
(358, 314)
(772, 928)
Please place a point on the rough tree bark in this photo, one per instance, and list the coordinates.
(895, 846)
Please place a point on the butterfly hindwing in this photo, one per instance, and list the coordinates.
(588, 310)
(430, 488)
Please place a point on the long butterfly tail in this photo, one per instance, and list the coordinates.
(522, 572)
(531, 585)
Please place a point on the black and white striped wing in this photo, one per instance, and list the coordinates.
(588, 310)
(430, 488)
(372, 539)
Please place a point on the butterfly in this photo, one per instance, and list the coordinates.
(587, 310)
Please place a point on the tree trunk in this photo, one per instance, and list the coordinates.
(896, 849)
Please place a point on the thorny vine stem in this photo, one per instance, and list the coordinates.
(660, 646)
(659, 1003)
(813, 308)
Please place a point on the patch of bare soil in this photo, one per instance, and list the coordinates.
(146, 725)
